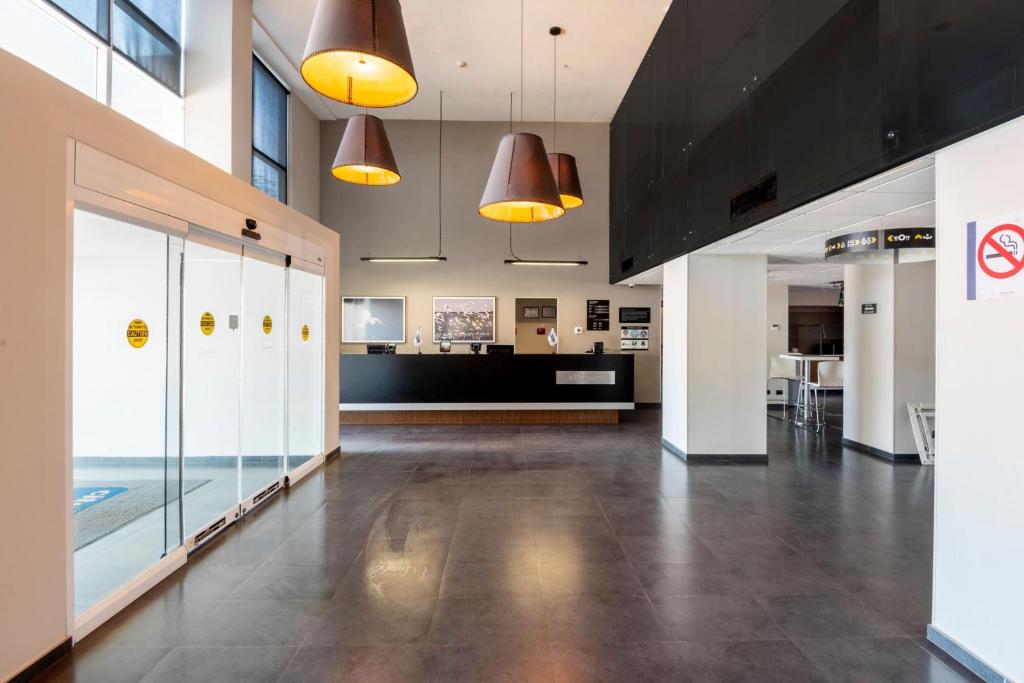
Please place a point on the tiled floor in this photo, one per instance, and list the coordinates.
(551, 554)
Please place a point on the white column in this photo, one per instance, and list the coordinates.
(715, 356)
(889, 355)
(218, 84)
(978, 596)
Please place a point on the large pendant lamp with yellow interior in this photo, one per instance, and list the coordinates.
(364, 155)
(521, 187)
(563, 166)
(357, 53)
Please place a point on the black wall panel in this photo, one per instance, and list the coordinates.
(815, 94)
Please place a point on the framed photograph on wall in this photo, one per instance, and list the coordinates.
(373, 319)
(464, 319)
(531, 312)
(549, 311)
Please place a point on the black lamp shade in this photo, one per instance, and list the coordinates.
(563, 167)
(521, 187)
(364, 155)
(358, 53)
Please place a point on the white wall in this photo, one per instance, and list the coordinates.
(674, 363)
(868, 356)
(35, 337)
(218, 84)
(715, 352)
(914, 365)
(889, 355)
(402, 220)
(303, 158)
(978, 596)
(778, 340)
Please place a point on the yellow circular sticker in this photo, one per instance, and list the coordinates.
(305, 333)
(138, 333)
(207, 323)
(268, 324)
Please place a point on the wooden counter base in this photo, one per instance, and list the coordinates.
(477, 417)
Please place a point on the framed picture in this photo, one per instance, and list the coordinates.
(531, 312)
(464, 319)
(373, 320)
(549, 311)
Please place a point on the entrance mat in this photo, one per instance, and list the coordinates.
(103, 507)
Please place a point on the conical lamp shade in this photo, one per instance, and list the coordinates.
(521, 188)
(364, 155)
(563, 167)
(357, 53)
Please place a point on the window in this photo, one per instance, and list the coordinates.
(269, 133)
(147, 32)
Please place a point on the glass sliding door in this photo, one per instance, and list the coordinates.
(125, 330)
(305, 366)
(264, 326)
(212, 373)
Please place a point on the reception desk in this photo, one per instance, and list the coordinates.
(485, 389)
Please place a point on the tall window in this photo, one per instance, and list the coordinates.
(126, 54)
(146, 32)
(269, 132)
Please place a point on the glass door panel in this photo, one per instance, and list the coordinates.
(264, 327)
(305, 366)
(212, 373)
(125, 507)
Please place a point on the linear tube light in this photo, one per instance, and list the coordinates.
(542, 262)
(404, 259)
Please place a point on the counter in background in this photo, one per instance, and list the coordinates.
(485, 389)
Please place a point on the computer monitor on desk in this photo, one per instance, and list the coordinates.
(501, 348)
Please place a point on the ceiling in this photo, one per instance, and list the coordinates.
(795, 241)
(598, 53)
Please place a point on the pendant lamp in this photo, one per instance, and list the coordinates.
(364, 155)
(521, 187)
(563, 166)
(357, 53)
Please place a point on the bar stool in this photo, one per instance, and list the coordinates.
(830, 376)
(781, 368)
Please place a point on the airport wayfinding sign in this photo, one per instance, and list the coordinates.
(995, 258)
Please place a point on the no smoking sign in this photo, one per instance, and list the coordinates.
(995, 258)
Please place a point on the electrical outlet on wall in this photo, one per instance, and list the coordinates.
(577, 330)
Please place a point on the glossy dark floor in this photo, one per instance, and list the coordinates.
(551, 554)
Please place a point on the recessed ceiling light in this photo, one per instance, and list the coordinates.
(461, 64)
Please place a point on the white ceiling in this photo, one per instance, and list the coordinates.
(795, 241)
(598, 53)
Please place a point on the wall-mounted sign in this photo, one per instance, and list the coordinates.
(853, 243)
(597, 314)
(137, 333)
(268, 324)
(868, 309)
(909, 238)
(634, 315)
(634, 339)
(207, 323)
(995, 258)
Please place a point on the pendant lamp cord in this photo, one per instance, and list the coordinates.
(510, 251)
(522, 87)
(554, 98)
(440, 146)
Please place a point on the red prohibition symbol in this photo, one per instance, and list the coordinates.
(1015, 259)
